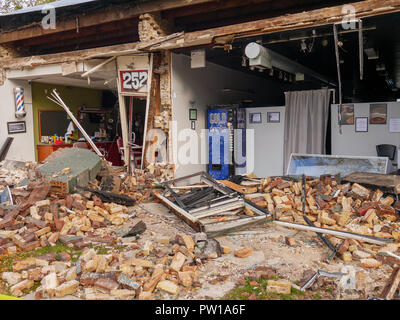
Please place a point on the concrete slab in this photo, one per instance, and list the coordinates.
(84, 165)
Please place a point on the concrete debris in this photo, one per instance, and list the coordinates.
(80, 223)
(76, 244)
(331, 205)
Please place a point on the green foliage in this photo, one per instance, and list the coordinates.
(7, 6)
(7, 261)
(260, 292)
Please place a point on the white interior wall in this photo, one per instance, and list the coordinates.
(203, 87)
(268, 142)
(22, 147)
(363, 143)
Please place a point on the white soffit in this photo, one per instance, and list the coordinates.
(103, 79)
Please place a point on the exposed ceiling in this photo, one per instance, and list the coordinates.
(226, 12)
(92, 24)
(381, 33)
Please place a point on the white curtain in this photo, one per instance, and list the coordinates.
(306, 120)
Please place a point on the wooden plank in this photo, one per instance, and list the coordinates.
(153, 110)
(392, 284)
(4, 149)
(385, 182)
(206, 37)
(103, 29)
(105, 15)
(238, 188)
(81, 55)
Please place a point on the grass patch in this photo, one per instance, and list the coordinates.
(316, 296)
(6, 262)
(257, 290)
(102, 250)
(4, 288)
(33, 289)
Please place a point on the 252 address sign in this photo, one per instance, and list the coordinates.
(133, 80)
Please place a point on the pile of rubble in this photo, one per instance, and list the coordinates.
(10, 175)
(330, 205)
(41, 219)
(142, 272)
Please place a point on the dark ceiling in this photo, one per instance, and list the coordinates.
(381, 33)
(190, 17)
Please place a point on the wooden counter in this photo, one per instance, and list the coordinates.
(44, 150)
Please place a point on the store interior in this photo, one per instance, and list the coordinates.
(302, 60)
(97, 112)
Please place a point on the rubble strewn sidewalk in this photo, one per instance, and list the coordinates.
(75, 245)
(59, 246)
(346, 207)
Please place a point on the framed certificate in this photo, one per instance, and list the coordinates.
(255, 117)
(361, 124)
(16, 127)
(273, 117)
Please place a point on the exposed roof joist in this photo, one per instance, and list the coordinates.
(324, 16)
(106, 15)
(287, 22)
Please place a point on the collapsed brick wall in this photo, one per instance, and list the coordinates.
(152, 26)
(160, 116)
(6, 53)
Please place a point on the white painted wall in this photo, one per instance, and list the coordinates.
(204, 87)
(268, 142)
(363, 143)
(22, 148)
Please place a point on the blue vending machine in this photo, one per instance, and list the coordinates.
(226, 141)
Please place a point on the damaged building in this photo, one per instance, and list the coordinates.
(199, 136)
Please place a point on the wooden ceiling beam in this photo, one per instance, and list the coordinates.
(117, 36)
(130, 24)
(94, 43)
(318, 17)
(256, 12)
(109, 14)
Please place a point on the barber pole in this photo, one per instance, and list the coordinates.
(19, 102)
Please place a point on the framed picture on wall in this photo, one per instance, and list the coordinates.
(16, 127)
(255, 117)
(347, 114)
(192, 114)
(378, 113)
(361, 124)
(273, 117)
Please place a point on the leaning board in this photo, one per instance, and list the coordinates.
(386, 182)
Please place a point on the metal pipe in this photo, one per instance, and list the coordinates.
(361, 48)
(76, 122)
(336, 233)
(317, 36)
(335, 36)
